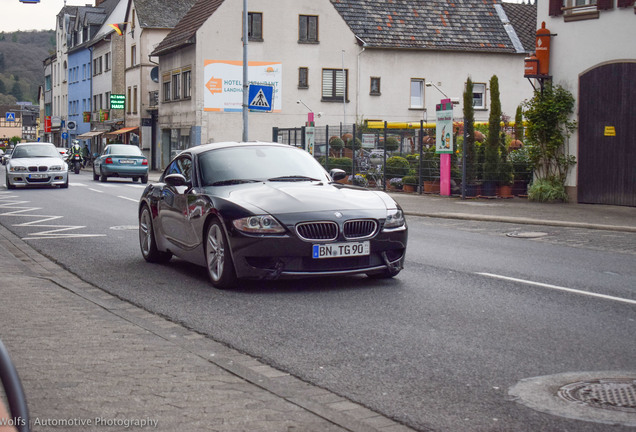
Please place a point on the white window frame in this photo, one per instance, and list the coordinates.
(416, 93)
(479, 88)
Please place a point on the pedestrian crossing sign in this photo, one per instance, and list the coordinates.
(260, 97)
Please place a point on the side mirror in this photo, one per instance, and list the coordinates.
(337, 174)
(176, 180)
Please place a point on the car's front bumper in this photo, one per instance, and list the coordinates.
(289, 257)
(48, 178)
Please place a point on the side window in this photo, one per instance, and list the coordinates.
(186, 168)
(183, 166)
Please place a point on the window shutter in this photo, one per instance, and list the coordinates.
(555, 7)
(604, 4)
(625, 3)
(327, 83)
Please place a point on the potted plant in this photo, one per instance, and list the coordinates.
(396, 183)
(409, 183)
(392, 144)
(522, 170)
(360, 180)
(430, 171)
(336, 144)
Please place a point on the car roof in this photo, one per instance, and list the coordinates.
(228, 144)
(35, 142)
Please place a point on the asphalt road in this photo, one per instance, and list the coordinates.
(437, 348)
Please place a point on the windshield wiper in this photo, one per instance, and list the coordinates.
(232, 182)
(293, 178)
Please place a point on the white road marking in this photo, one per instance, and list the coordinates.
(560, 288)
(96, 190)
(54, 231)
(129, 199)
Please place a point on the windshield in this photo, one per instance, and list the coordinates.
(35, 151)
(239, 164)
(123, 150)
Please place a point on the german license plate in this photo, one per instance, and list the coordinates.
(126, 161)
(336, 250)
(37, 176)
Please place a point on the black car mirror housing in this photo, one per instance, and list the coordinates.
(337, 174)
(176, 180)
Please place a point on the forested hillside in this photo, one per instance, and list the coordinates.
(22, 56)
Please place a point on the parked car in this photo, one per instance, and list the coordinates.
(36, 164)
(267, 211)
(6, 156)
(121, 160)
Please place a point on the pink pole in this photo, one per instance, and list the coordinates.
(444, 174)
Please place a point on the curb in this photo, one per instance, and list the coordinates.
(524, 221)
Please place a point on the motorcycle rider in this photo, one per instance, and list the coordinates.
(75, 150)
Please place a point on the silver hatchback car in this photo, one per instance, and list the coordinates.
(36, 164)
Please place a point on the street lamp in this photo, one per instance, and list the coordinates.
(430, 84)
(310, 114)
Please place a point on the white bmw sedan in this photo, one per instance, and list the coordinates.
(36, 164)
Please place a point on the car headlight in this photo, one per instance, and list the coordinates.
(17, 168)
(394, 219)
(263, 224)
(55, 168)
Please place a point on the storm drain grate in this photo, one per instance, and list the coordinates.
(612, 394)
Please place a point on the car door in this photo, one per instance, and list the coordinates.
(174, 209)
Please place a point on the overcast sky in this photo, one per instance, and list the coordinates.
(39, 16)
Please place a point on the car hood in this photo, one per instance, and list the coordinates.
(295, 197)
(43, 161)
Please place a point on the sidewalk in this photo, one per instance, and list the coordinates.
(91, 362)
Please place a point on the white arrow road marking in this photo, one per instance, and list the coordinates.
(560, 288)
(53, 232)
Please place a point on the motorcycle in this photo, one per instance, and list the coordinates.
(75, 161)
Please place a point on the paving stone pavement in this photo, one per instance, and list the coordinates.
(91, 362)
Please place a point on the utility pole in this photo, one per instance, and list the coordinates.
(245, 74)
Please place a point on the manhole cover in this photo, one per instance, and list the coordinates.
(613, 394)
(124, 228)
(527, 234)
(607, 397)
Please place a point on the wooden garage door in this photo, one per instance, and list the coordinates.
(607, 164)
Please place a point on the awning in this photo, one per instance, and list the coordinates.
(90, 134)
(121, 131)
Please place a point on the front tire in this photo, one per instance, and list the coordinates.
(95, 175)
(147, 240)
(218, 258)
(9, 185)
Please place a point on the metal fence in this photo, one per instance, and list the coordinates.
(410, 162)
